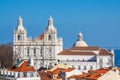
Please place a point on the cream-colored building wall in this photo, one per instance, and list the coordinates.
(110, 75)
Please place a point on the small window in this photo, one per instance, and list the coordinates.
(41, 52)
(101, 61)
(65, 63)
(58, 60)
(34, 51)
(85, 68)
(25, 74)
(49, 49)
(72, 66)
(67, 60)
(18, 74)
(50, 66)
(49, 37)
(79, 68)
(19, 37)
(28, 51)
(91, 67)
(31, 74)
(109, 60)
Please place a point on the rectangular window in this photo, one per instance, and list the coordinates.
(31, 74)
(72, 66)
(41, 52)
(85, 68)
(79, 68)
(34, 51)
(28, 51)
(91, 67)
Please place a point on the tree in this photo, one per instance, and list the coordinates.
(6, 55)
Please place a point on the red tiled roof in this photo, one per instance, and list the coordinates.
(56, 71)
(69, 52)
(23, 68)
(118, 68)
(105, 52)
(79, 76)
(72, 77)
(68, 70)
(41, 36)
(95, 74)
(48, 75)
(85, 48)
(92, 74)
(45, 75)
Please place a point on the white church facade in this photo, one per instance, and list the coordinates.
(42, 49)
(47, 50)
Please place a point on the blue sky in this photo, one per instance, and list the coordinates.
(98, 20)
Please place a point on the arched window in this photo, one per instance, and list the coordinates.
(19, 37)
(49, 37)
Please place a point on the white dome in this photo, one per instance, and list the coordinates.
(80, 42)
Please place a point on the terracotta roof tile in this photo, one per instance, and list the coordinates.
(95, 74)
(91, 75)
(79, 51)
(105, 52)
(68, 70)
(41, 36)
(56, 71)
(23, 68)
(69, 52)
(79, 76)
(86, 48)
(72, 77)
(45, 75)
(118, 68)
(48, 75)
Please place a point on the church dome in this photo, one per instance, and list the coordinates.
(80, 42)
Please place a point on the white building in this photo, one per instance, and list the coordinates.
(83, 57)
(24, 70)
(47, 48)
(42, 49)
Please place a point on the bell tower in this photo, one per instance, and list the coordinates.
(19, 38)
(20, 31)
(50, 31)
(52, 44)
